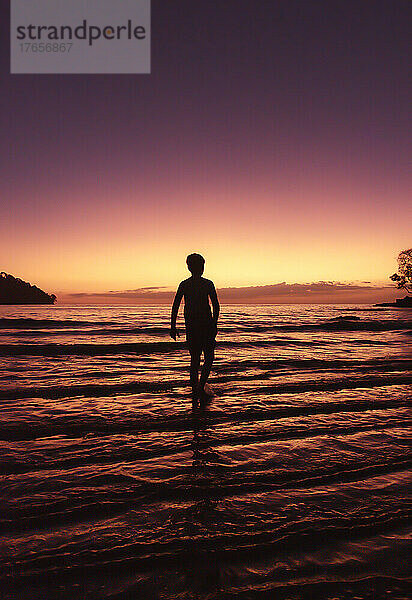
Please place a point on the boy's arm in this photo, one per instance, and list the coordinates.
(215, 303)
(175, 309)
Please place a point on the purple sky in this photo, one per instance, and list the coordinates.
(273, 137)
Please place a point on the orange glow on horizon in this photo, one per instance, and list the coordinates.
(97, 238)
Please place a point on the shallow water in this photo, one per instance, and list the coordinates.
(292, 483)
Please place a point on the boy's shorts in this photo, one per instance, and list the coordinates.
(201, 336)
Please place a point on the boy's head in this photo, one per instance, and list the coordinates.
(195, 264)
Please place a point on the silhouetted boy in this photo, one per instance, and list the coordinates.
(201, 324)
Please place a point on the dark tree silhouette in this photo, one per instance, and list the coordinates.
(16, 291)
(403, 278)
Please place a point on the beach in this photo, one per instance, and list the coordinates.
(291, 483)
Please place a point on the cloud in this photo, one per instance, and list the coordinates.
(295, 289)
(144, 293)
(320, 291)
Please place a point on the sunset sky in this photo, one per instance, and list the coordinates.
(272, 137)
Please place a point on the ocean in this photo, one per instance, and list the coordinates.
(292, 483)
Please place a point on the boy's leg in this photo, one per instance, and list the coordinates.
(209, 354)
(194, 369)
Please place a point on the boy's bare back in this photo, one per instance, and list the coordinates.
(196, 293)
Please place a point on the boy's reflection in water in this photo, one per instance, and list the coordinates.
(203, 571)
